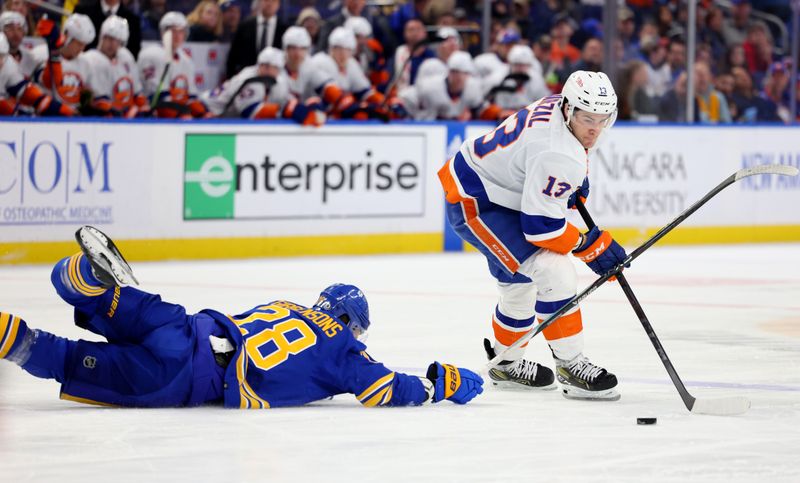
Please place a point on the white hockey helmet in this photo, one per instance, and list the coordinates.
(359, 25)
(172, 19)
(461, 61)
(4, 47)
(445, 33)
(79, 27)
(590, 92)
(13, 18)
(271, 56)
(521, 54)
(296, 37)
(116, 28)
(342, 37)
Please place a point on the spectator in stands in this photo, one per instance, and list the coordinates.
(734, 57)
(712, 107)
(725, 85)
(749, 106)
(231, 15)
(152, 11)
(409, 56)
(676, 58)
(627, 34)
(411, 10)
(562, 52)
(369, 53)
(310, 19)
(205, 22)
(21, 7)
(776, 89)
(591, 60)
(712, 33)
(262, 29)
(735, 29)
(541, 50)
(659, 76)
(758, 51)
(672, 107)
(98, 10)
(350, 8)
(634, 102)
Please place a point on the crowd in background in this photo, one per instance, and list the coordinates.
(419, 59)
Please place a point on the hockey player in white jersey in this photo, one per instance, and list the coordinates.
(458, 96)
(17, 92)
(450, 42)
(508, 193)
(65, 72)
(358, 99)
(524, 82)
(15, 27)
(115, 76)
(260, 92)
(176, 91)
(307, 84)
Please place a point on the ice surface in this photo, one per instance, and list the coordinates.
(728, 316)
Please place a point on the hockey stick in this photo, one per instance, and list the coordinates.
(722, 406)
(742, 173)
(160, 86)
(265, 80)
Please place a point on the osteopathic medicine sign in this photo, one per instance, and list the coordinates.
(290, 175)
(50, 177)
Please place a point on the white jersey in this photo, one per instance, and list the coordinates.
(30, 60)
(351, 80)
(429, 99)
(11, 79)
(433, 67)
(530, 163)
(249, 97)
(116, 80)
(533, 88)
(307, 82)
(76, 77)
(179, 85)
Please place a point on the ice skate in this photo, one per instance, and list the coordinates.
(580, 379)
(108, 264)
(522, 374)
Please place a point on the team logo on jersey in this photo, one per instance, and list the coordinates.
(90, 362)
(179, 88)
(123, 92)
(70, 88)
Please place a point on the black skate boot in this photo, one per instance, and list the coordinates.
(108, 264)
(580, 379)
(522, 374)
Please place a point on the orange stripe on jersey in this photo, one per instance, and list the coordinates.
(331, 93)
(563, 243)
(505, 336)
(30, 94)
(476, 226)
(449, 183)
(267, 111)
(566, 326)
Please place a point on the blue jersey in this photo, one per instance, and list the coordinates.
(289, 355)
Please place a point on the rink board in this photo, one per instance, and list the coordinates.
(177, 190)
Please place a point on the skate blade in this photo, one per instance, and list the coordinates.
(515, 386)
(583, 395)
(92, 240)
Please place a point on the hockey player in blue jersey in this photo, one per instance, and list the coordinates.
(157, 355)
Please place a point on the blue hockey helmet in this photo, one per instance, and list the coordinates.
(348, 304)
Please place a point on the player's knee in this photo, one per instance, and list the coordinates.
(517, 300)
(555, 274)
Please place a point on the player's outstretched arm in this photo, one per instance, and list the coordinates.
(453, 383)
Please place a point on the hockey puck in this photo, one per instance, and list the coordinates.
(643, 421)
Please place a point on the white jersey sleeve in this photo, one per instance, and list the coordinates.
(432, 67)
(11, 79)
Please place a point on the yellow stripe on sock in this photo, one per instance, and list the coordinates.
(377, 398)
(77, 280)
(8, 340)
(380, 382)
